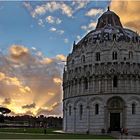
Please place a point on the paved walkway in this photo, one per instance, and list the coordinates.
(59, 131)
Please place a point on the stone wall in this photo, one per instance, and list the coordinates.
(95, 122)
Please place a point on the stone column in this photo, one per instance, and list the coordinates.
(125, 117)
(82, 86)
(99, 82)
(74, 88)
(74, 121)
(105, 118)
(137, 85)
(66, 119)
(105, 82)
(70, 90)
(124, 84)
(65, 91)
(88, 118)
(92, 85)
(132, 83)
(77, 87)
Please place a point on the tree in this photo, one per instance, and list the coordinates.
(4, 110)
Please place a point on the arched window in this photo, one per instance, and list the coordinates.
(136, 39)
(130, 54)
(98, 56)
(86, 83)
(96, 109)
(114, 55)
(69, 110)
(133, 108)
(115, 81)
(72, 62)
(81, 111)
(83, 59)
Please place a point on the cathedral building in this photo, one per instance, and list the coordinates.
(101, 80)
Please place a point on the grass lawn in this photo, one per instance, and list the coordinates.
(38, 133)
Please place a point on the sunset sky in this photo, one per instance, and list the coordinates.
(36, 37)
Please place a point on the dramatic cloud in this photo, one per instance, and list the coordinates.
(94, 12)
(31, 82)
(53, 6)
(53, 109)
(17, 51)
(49, 7)
(40, 12)
(20, 54)
(128, 12)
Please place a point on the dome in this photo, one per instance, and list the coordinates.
(111, 33)
(108, 18)
(109, 28)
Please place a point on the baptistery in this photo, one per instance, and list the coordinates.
(101, 80)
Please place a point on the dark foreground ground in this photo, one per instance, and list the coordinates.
(38, 133)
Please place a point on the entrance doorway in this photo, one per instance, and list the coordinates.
(116, 113)
(115, 121)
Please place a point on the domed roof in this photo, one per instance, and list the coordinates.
(108, 18)
(109, 28)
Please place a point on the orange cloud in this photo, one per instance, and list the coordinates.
(18, 50)
(46, 61)
(54, 109)
(30, 82)
(61, 57)
(57, 80)
(2, 76)
(128, 12)
(51, 93)
(13, 81)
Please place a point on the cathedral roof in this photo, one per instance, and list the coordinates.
(108, 18)
(109, 28)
